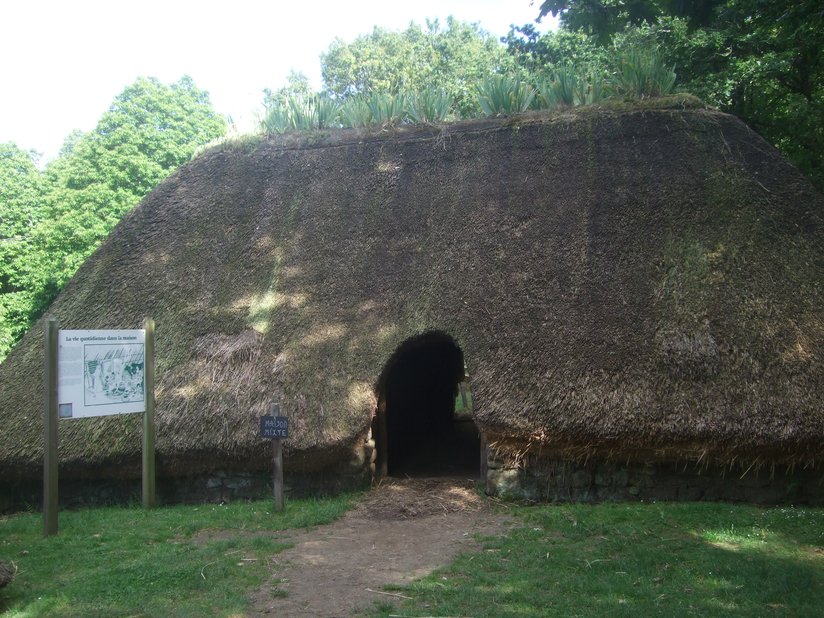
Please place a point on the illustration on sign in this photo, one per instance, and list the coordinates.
(114, 373)
(101, 372)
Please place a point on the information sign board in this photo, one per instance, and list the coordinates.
(100, 372)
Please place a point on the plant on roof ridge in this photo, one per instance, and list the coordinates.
(428, 106)
(327, 112)
(564, 87)
(303, 116)
(276, 118)
(387, 109)
(503, 94)
(643, 74)
(595, 90)
(355, 112)
(301, 113)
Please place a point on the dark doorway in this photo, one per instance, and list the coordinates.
(416, 392)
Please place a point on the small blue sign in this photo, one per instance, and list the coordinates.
(274, 427)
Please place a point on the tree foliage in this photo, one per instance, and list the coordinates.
(604, 18)
(59, 216)
(20, 213)
(19, 192)
(542, 54)
(297, 86)
(761, 60)
(452, 59)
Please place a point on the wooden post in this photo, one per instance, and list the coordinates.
(50, 429)
(382, 444)
(149, 491)
(484, 458)
(277, 473)
(276, 429)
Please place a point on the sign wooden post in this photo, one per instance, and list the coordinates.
(277, 428)
(149, 490)
(382, 444)
(96, 373)
(277, 473)
(50, 430)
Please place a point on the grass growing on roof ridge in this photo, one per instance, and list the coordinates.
(167, 561)
(684, 559)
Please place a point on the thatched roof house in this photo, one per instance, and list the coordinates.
(629, 285)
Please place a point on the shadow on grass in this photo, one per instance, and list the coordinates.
(626, 560)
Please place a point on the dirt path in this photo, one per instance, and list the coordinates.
(400, 532)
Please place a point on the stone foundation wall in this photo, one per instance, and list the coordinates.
(565, 481)
(354, 472)
(216, 487)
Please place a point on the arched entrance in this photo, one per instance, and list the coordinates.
(418, 432)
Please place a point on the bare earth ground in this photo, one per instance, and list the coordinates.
(401, 531)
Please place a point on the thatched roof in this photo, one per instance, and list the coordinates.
(631, 283)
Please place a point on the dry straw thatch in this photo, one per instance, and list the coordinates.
(631, 283)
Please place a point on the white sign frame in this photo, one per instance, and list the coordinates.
(101, 372)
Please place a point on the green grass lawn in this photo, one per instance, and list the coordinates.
(634, 560)
(660, 559)
(121, 561)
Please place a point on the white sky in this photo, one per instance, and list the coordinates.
(63, 62)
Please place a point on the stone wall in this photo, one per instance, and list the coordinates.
(216, 487)
(548, 480)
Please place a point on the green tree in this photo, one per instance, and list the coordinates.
(19, 200)
(297, 85)
(604, 18)
(761, 60)
(71, 140)
(775, 76)
(20, 213)
(538, 54)
(452, 59)
(149, 130)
